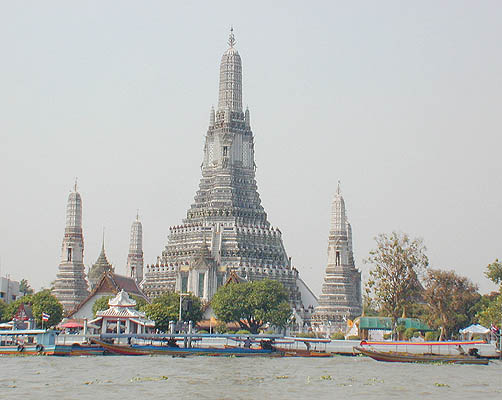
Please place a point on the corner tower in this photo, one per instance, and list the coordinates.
(340, 298)
(226, 228)
(135, 257)
(70, 287)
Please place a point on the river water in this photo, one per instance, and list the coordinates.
(162, 377)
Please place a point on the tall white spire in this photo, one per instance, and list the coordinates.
(338, 216)
(230, 97)
(135, 257)
(70, 286)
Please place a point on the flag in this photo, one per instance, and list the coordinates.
(45, 317)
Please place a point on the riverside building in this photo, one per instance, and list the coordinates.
(226, 228)
(340, 298)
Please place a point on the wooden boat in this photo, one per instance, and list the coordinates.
(395, 356)
(141, 350)
(291, 349)
(77, 349)
(289, 346)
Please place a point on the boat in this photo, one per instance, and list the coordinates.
(401, 356)
(314, 347)
(290, 346)
(85, 349)
(42, 342)
(176, 351)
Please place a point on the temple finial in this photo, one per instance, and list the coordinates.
(76, 182)
(338, 191)
(137, 214)
(231, 38)
(103, 243)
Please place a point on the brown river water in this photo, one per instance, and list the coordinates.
(162, 377)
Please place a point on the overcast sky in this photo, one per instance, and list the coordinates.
(401, 101)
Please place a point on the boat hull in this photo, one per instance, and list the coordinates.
(392, 356)
(137, 350)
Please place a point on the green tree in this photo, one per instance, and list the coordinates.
(252, 304)
(3, 311)
(101, 304)
(449, 298)
(14, 306)
(140, 301)
(492, 314)
(166, 307)
(397, 261)
(45, 302)
(494, 272)
(25, 288)
(489, 307)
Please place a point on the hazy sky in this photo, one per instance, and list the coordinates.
(401, 101)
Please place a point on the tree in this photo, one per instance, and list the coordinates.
(394, 281)
(252, 304)
(45, 302)
(140, 301)
(489, 307)
(492, 313)
(14, 306)
(449, 298)
(25, 288)
(494, 272)
(101, 304)
(166, 308)
(3, 311)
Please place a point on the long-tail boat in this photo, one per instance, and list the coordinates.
(173, 349)
(141, 350)
(398, 356)
(290, 346)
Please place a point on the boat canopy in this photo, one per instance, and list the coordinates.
(385, 323)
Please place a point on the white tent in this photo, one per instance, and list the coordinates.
(475, 329)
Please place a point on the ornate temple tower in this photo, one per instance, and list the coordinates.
(135, 257)
(341, 291)
(101, 266)
(226, 228)
(70, 286)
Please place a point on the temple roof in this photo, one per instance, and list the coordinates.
(121, 306)
(112, 283)
(122, 299)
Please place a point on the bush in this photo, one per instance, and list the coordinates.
(309, 335)
(221, 327)
(338, 336)
(408, 333)
(401, 328)
(203, 331)
(431, 336)
(387, 336)
(353, 337)
(243, 332)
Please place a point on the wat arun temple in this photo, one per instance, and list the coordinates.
(226, 228)
(226, 232)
